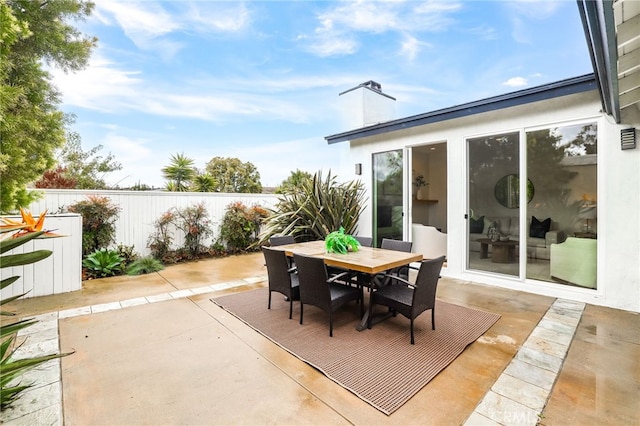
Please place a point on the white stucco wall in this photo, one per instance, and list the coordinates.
(618, 192)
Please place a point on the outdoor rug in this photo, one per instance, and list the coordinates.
(378, 365)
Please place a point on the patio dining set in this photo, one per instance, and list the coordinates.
(306, 273)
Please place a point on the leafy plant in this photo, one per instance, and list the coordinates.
(99, 216)
(103, 263)
(180, 173)
(318, 208)
(127, 253)
(160, 240)
(11, 389)
(339, 242)
(144, 265)
(240, 226)
(194, 222)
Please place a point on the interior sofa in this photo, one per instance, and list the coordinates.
(575, 261)
(541, 234)
(428, 241)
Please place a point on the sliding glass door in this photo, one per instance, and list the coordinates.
(548, 224)
(387, 196)
(562, 162)
(494, 203)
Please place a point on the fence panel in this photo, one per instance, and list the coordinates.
(140, 209)
(59, 273)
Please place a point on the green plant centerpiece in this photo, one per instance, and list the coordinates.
(339, 242)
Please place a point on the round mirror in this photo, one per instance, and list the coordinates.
(507, 191)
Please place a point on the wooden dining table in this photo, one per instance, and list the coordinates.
(367, 260)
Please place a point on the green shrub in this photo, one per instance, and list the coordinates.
(128, 254)
(144, 265)
(317, 209)
(194, 222)
(240, 226)
(99, 216)
(160, 241)
(103, 263)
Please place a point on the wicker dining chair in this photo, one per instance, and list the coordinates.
(410, 299)
(279, 240)
(281, 276)
(317, 289)
(381, 280)
(365, 241)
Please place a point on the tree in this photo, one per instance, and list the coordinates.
(204, 182)
(294, 182)
(57, 178)
(180, 173)
(85, 168)
(585, 142)
(32, 126)
(232, 175)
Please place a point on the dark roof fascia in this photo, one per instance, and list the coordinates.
(566, 87)
(599, 29)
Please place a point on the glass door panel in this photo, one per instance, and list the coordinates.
(387, 196)
(494, 203)
(562, 217)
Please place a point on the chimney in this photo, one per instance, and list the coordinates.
(366, 105)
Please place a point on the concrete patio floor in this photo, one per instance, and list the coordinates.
(155, 350)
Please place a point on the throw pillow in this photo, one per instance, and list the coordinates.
(476, 226)
(539, 228)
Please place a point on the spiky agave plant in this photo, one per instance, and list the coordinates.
(319, 207)
(11, 388)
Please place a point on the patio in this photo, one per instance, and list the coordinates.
(155, 350)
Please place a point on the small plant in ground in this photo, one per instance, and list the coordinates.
(103, 263)
(194, 222)
(99, 216)
(127, 253)
(339, 242)
(144, 265)
(240, 226)
(160, 241)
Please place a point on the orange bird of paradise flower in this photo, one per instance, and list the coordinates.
(28, 225)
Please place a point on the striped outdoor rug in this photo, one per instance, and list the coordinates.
(379, 365)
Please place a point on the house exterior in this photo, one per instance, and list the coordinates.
(536, 190)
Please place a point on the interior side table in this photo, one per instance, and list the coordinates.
(501, 251)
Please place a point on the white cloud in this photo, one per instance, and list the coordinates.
(107, 87)
(148, 23)
(140, 21)
(101, 86)
(337, 30)
(516, 82)
(410, 47)
(207, 17)
(522, 12)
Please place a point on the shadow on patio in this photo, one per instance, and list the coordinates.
(155, 350)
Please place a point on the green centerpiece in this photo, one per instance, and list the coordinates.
(339, 242)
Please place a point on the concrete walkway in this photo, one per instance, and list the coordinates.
(155, 350)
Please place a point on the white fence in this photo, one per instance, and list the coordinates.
(139, 209)
(59, 273)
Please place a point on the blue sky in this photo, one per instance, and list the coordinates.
(260, 80)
